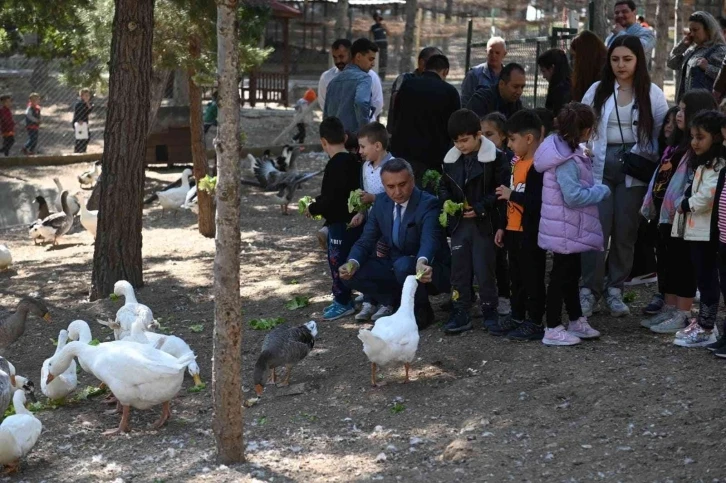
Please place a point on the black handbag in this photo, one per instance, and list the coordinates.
(635, 165)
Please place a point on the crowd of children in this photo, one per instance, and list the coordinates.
(527, 188)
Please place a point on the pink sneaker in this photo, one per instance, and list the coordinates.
(691, 328)
(581, 328)
(559, 336)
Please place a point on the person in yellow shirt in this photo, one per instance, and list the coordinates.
(526, 259)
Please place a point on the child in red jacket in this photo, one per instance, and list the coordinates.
(7, 123)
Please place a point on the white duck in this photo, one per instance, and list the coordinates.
(80, 331)
(137, 374)
(90, 177)
(171, 344)
(89, 219)
(73, 204)
(6, 258)
(174, 198)
(18, 434)
(393, 338)
(53, 226)
(129, 313)
(64, 384)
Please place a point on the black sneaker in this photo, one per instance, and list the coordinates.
(505, 326)
(719, 344)
(655, 306)
(458, 322)
(720, 352)
(491, 318)
(527, 331)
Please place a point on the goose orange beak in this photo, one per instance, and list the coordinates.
(49, 379)
(47, 318)
(197, 380)
(259, 389)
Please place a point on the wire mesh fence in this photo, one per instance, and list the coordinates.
(21, 76)
(525, 52)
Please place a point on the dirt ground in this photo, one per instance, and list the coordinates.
(627, 407)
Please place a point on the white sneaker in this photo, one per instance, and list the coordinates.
(588, 303)
(615, 303)
(559, 336)
(366, 312)
(504, 307)
(582, 329)
(383, 311)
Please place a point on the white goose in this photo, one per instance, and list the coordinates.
(129, 313)
(6, 258)
(393, 338)
(171, 344)
(18, 434)
(73, 204)
(137, 374)
(65, 383)
(89, 219)
(174, 198)
(90, 177)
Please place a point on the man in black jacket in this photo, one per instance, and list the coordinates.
(504, 97)
(423, 106)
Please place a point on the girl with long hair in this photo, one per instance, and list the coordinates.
(630, 111)
(593, 55)
(556, 70)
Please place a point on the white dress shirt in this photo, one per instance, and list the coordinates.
(376, 90)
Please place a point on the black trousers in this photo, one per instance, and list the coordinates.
(473, 254)
(8, 142)
(527, 266)
(705, 258)
(564, 287)
(503, 283)
(676, 271)
(644, 260)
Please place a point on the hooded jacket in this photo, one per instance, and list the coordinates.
(570, 221)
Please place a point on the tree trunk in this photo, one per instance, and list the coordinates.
(341, 19)
(205, 201)
(117, 254)
(406, 63)
(662, 47)
(602, 17)
(228, 417)
(181, 88)
(449, 11)
(158, 85)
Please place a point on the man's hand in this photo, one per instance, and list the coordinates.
(367, 198)
(470, 213)
(347, 271)
(357, 220)
(499, 238)
(703, 63)
(503, 192)
(617, 28)
(687, 37)
(307, 212)
(427, 271)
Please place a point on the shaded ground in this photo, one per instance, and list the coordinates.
(629, 407)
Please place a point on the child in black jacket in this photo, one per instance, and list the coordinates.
(472, 172)
(342, 175)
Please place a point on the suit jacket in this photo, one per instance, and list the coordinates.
(420, 234)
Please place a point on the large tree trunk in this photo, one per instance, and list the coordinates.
(662, 47)
(227, 367)
(602, 17)
(341, 19)
(205, 201)
(117, 254)
(406, 64)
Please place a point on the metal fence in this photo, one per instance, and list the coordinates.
(525, 52)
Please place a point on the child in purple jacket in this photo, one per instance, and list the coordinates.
(570, 223)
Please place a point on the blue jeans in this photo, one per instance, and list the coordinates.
(32, 143)
(340, 241)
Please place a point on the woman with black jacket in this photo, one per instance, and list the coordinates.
(556, 70)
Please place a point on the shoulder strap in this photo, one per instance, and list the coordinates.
(617, 114)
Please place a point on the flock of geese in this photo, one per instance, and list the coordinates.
(139, 367)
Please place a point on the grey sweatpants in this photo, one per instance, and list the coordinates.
(619, 217)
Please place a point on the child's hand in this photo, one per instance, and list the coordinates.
(357, 220)
(307, 212)
(499, 238)
(470, 213)
(367, 198)
(503, 192)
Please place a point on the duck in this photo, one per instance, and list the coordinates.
(73, 204)
(89, 219)
(18, 434)
(88, 179)
(6, 258)
(21, 383)
(65, 383)
(271, 179)
(7, 385)
(13, 326)
(54, 226)
(130, 312)
(171, 344)
(393, 339)
(80, 331)
(286, 161)
(43, 211)
(139, 375)
(174, 198)
(283, 346)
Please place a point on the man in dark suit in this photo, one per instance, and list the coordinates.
(503, 97)
(423, 107)
(402, 237)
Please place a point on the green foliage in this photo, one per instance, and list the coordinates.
(397, 408)
(266, 324)
(262, 420)
(297, 302)
(199, 388)
(208, 184)
(355, 202)
(253, 20)
(431, 178)
(303, 205)
(94, 342)
(114, 297)
(450, 209)
(196, 328)
(630, 297)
